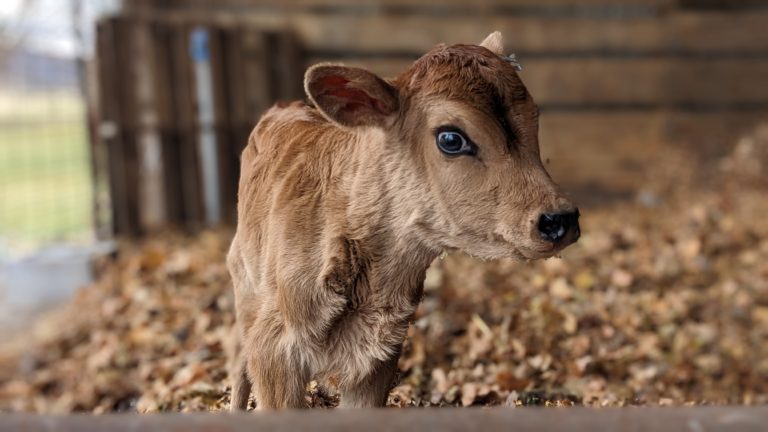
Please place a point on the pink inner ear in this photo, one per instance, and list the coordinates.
(336, 86)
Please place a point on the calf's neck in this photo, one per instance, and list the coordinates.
(344, 201)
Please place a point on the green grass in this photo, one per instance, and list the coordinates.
(45, 186)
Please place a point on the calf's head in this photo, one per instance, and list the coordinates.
(463, 131)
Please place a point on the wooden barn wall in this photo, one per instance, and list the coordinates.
(619, 82)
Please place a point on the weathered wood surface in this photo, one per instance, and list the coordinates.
(696, 419)
(251, 69)
(303, 4)
(601, 155)
(737, 33)
(118, 123)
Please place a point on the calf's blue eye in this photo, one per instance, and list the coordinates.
(454, 143)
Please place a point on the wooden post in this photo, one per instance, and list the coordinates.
(116, 123)
(151, 190)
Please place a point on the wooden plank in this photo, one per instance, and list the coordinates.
(250, 87)
(184, 119)
(256, 74)
(117, 123)
(233, 64)
(183, 101)
(128, 123)
(740, 33)
(128, 115)
(216, 41)
(152, 208)
(701, 31)
(660, 82)
(527, 419)
(618, 152)
(286, 61)
(169, 135)
(100, 203)
(108, 114)
(226, 93)
(695, 32)
(717, 81)
(383, 4)
(721, 5)
(162, 79)
(416, 34)
(248, 91)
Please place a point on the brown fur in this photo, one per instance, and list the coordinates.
(344, 204)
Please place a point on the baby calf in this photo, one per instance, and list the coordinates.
(345, 201)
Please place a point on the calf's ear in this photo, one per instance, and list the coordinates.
(350, 96)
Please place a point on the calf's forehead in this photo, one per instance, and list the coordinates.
(469, 74)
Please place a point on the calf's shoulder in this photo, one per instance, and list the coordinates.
(291, 202)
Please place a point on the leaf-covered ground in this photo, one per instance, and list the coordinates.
(661, 302)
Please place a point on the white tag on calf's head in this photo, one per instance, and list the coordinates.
(494, 42)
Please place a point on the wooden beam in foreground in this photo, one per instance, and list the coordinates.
(656, 419)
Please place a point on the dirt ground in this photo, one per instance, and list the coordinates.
(664, 301)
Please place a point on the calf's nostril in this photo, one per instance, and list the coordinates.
(554, 226)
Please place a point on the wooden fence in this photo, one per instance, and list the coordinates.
(148, 113)
(618, 81)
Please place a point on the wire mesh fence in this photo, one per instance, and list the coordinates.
(45, 188)
(46, 181)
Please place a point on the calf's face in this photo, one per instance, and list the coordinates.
(466, 128)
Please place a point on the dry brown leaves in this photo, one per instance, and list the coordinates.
(652, 307)
(148, 336)
(665, 305)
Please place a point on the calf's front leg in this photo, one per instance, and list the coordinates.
(241, 385)
(374, 389)
(279, 380)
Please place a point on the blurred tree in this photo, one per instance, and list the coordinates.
(12, 32)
